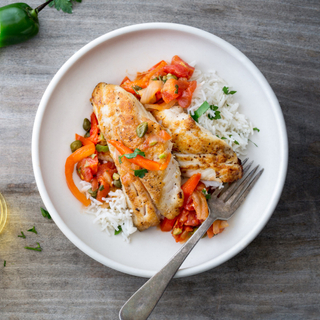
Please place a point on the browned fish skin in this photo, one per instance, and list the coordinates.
(159, 192)
(197, 149)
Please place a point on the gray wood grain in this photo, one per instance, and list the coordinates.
(276, 277)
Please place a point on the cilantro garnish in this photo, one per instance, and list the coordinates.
(22, 235)
(140, 173)
(256, 129)
(101, 187)
(38, 248)
(206, 194)
(216, 113)
(223, 138)
(64, 5)
(136, 89)
(117, 231)
(33, 230)
(45, 213)
(92, 193)
(177, 89)
(132, 155)
(226, 90)
(236, 142)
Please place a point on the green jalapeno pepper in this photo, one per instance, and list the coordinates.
(18, 23)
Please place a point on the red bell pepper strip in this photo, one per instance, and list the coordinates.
(189, 186)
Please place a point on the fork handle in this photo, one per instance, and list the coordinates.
(141, 304)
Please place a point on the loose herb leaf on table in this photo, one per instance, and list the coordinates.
(45, 213)
(64, 5)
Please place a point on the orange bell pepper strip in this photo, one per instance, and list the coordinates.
(138, 160)
(164, 165)
(189, 186)
(74, 158)
(85, 141)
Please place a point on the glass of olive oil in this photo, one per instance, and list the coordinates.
(3, 212)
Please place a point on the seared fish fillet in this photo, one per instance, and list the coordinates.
(159, 192)
(197, 149)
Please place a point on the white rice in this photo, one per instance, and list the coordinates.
(110, 218)
(233, 125)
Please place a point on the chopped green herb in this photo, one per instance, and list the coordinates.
(64, 5)
(92, 193)
(140, 173)
(33, 230)
(216, 113)
(22, 235)
(101, 187)
(38, 248)
(4, 263)
(45, 213)
(200, 111)
(117, 231)
(236, 142)
(136, 89)
(217, 136)
(223, 138)
(253, 143)
(226, 90)
(101, 148)
(177, 89)
(256, 129)
(132, 155)
(206, 194)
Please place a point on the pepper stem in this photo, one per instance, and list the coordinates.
(38, 9)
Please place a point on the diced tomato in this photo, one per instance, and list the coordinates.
(161, 64)
(94, 131)
(178, 70)
(167, 224)
(94, 184)
(158, 95)
(103, 190)
(186, 97)
(192, 219)
(176, 60)
(106, 167)
(173, 89)
(189, 204)
(87, 168)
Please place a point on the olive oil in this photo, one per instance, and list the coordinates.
(3, 212)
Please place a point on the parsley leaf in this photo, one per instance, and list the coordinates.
(140, 173)
(45, 213)
(256, 129)
(200, 111)
(226, 90)
(64, 5)
(132, 155)
(22, 235)
(4, 263)
(206, 194)
(33, 230)
(223, 138)
(236, 142)
(216, 113)
(38, 248)
(117, 231)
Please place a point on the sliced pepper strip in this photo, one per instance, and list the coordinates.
(138, 160)
(164, 165)
(189, 186)
(85, 141)
(74, 158)
(164, 135)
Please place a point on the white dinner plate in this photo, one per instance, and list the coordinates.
(109, 58)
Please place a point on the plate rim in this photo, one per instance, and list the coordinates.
(236, 53)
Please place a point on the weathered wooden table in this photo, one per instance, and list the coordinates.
(276, 277)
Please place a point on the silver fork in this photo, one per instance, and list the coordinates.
(222, 205)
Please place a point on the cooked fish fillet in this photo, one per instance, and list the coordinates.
(159, 192)
(197, 149)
